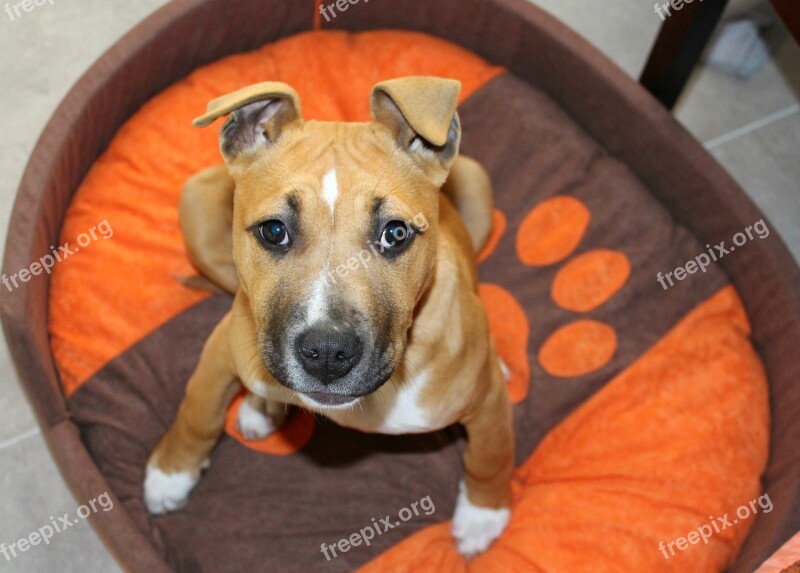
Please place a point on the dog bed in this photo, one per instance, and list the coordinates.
(642, 413)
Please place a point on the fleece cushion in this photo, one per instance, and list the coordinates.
(640, 412)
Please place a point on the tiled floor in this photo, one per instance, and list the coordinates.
(754, 131)
(753, 128)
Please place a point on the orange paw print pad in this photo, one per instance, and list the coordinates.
(509, 328)
(578, 348)
(550, 234)
(552, 230)
(590, 279)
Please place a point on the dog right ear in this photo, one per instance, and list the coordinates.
(420, 114)
(257, 116)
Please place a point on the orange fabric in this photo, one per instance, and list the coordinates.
(644, 460)
(552, 230)
(509, 328)
(578, 348)
(136, 183)
(589, 280)
(498, 228)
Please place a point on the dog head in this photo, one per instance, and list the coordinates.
(335, 227)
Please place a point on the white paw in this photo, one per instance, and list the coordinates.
(166, 492)
(474, 528)
(253, 422)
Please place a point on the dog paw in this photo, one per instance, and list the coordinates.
(254, 423)
(474, 527)
(165, 492)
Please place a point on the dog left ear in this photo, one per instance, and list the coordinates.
(420, 112)
(257, 116)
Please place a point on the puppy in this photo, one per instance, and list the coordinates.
(355, 287)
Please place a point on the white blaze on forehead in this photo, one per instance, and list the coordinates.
(330, 189)
(317, 309)
(317, 304)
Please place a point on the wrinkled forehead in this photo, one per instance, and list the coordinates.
(342, 171)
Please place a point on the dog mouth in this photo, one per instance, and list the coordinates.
(334, 400)
(330, 400)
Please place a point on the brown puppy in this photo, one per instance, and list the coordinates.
(355, 287)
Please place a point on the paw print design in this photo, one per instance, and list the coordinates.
(548, 235)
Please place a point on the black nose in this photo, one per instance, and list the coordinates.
(327, 352)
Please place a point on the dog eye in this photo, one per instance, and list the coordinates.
(396, 236)
(273, 234)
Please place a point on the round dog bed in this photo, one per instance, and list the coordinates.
(646, 405)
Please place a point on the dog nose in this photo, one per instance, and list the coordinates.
(328, 353)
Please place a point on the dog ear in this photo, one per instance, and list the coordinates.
(257, 115)
(420, 112)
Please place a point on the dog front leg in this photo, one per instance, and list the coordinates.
(482, 509)
(174, 466)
